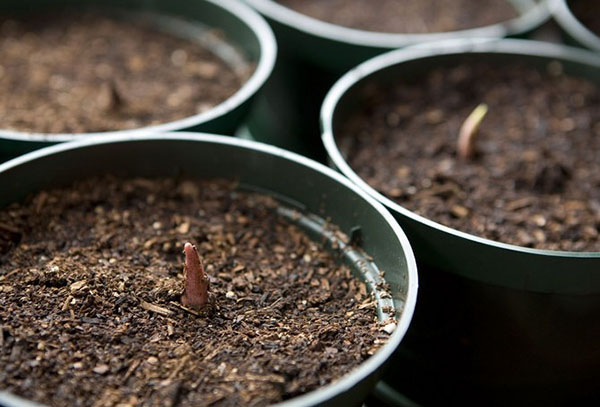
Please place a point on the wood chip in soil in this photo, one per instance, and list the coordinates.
(90, 71)
(535, 178)
(406, 16)
(91, 280)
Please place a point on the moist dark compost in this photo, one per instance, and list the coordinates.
(534, 177)
(91, 280)
(588, 12)
(406, 16)
(78, 72)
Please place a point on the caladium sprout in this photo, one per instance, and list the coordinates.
(195, 295)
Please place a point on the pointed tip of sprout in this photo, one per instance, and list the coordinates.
(187, 247)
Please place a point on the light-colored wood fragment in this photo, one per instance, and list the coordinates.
(155, 308)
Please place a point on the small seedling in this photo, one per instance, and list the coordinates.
(468, 132)
(109, 98)
(196, 280)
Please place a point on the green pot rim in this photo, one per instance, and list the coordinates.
(458, 46)
(525, 22)
(366, 368)
(572, 26)
(264, 67)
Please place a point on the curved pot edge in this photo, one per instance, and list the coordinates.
(560, 283)
(572, 26)
(385, 41)
(323, 394)
(259, 77)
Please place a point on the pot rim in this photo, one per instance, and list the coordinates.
(566, 19)
(343, 384)
(449, 47)
(264, 67)
(382, 40)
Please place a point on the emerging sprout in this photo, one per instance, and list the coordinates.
(468, 132)
(109, 97)
(196, 280)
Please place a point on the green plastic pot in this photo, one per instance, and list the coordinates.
(248, 38)
(314, 53)
(496, 323)
(575, 31)
(286, 114)
(337, 49)
(318, 194)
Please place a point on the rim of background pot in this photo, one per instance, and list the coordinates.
(533, 17)
(323, 394)
(545, 271)
(572, 26)
(264, 67)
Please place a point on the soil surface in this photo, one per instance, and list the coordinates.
(406, 16)
(535, 178)
(91, 281)
(588, 12)
(77, 72)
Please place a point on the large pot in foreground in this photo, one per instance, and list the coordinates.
(496, 323)
(315, 191)
(244, 31)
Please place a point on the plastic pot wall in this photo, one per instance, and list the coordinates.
(244, 30)
(496, 323)
(286, 113)
(315, 191)
(313, 54)
(575, 31)
(336, 49)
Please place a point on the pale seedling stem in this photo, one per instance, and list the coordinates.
(468, 132)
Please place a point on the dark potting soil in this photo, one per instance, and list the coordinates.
(588, 12)
(406, 16)
(76, 72)
(535, 178)
(90, 310)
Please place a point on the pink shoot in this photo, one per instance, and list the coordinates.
(196, 280)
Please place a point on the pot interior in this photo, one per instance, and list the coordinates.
(317, 199)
